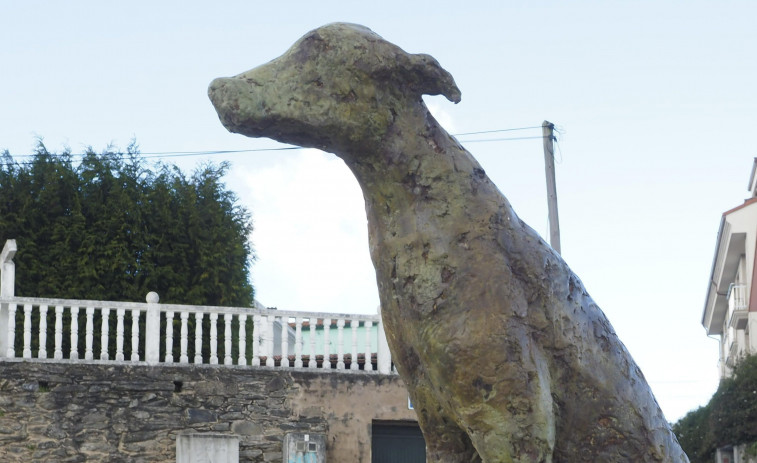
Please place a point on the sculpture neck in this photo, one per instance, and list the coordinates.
(417, 176)
(415, 152)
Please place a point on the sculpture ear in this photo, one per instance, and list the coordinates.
(428, 77)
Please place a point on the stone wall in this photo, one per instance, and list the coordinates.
(55, 412)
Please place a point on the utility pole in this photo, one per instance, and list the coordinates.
(547, 131)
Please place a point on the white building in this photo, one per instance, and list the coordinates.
(730, 309)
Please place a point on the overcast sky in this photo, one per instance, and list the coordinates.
(655, 102)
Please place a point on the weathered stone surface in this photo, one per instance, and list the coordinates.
(506, 356)
(246, 428)
(201, 416)
(124, 423)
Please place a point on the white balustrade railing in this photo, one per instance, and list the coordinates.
(154, 333)
(173, 334)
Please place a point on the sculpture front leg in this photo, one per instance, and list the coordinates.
(446, 442)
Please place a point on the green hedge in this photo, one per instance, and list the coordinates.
(107, 226)
(730, 417)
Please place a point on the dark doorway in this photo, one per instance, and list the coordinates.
(399, 442)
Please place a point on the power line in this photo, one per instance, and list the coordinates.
(161, 155)
(503, 139)
(498, 130)
(172, 154)
(176, 154)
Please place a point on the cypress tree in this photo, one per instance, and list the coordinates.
(110, 228)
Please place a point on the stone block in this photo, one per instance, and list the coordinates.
(54, 401)
(272, 456)
(246, 428)
(201, 416)
(220, 427)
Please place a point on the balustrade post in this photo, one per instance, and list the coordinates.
(135, 335)
(256, 328)
(227, 360)
(326, 343)
(263, 335)
(120, 334)
(284, 341)
(368, 366)
(213, 338)
(7, 284)
(152, 329)
(353, 327)
(105, 313)
(169, 337)
(183, 357)
(89, 334)
(269, 361)
(198, 337)
(27, 353)
(242, 359)
(58, 353)
(298, 342)
(384, 356)
(11, 351)
(340, 344)
(74, 354)
(42, 352)
(312, 362)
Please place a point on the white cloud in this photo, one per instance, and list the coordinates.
(310, 235)
(439, 112)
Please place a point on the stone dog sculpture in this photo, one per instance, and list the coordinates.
(505, 355)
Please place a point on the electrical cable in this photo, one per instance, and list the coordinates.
(495, 131)
(175, 154)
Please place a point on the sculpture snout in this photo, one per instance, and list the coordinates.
(214, 86)
(340, 85)
(219, 92)
(215, 90)
(237, 105)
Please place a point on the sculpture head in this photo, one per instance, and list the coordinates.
(336, 88)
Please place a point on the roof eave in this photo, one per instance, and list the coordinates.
(711, 281)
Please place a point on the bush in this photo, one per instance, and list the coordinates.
(730, 417)
(695, 436)
(108, 227)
